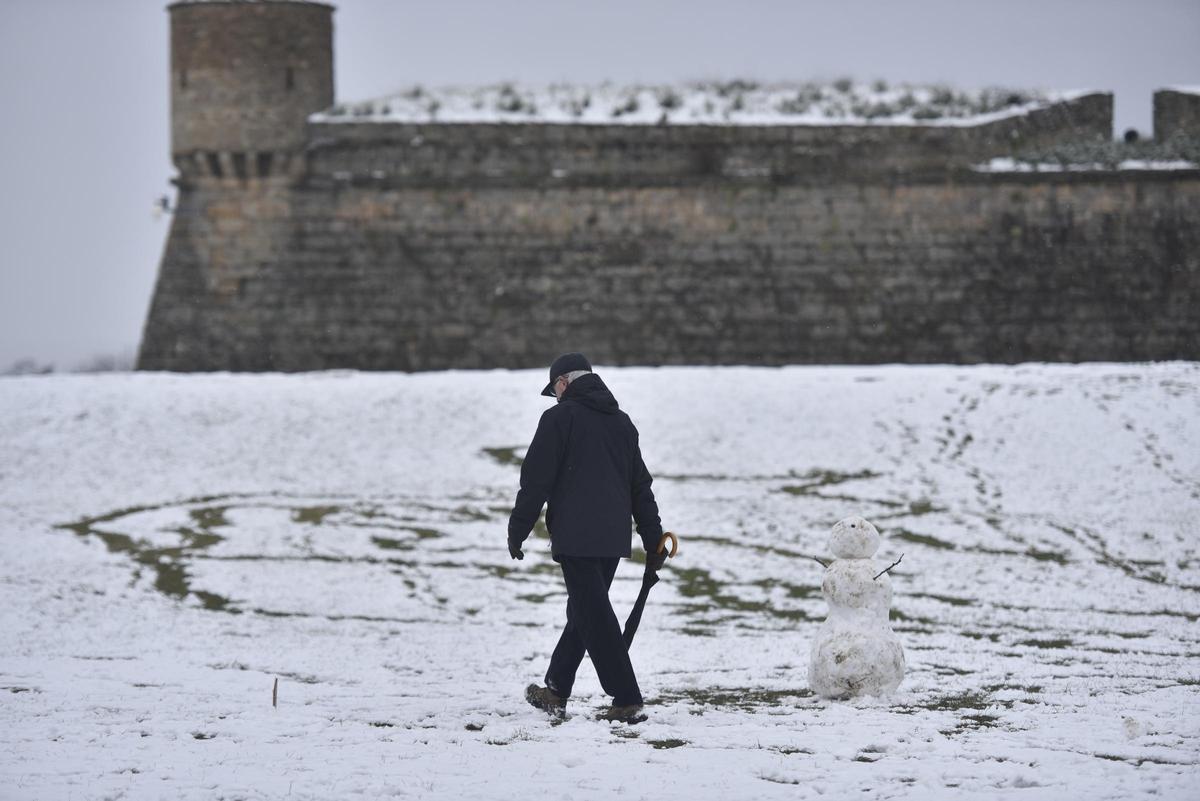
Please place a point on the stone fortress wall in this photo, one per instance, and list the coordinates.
(300, 245)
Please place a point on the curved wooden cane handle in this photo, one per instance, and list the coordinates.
(662, 544)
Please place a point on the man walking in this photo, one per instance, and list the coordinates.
(585, 460)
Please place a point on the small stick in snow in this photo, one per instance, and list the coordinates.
(820, 562)
(889, 567)
(275, 694)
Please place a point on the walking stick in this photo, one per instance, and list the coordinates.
(649, 579)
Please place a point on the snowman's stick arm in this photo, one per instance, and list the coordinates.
(889, 567)
(820, 562)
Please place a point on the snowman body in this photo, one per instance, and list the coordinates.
(856, 652)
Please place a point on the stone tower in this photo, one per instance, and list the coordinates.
(245, 75)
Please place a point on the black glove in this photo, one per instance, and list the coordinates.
(655, 560)
(514, 549)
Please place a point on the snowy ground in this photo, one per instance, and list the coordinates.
(170, 545)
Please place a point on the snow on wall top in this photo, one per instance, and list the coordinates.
(735, 102)
(243, 2)
(1008, 164)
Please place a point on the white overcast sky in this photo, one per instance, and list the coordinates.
(84, 144)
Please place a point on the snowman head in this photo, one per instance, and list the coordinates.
(853, 538)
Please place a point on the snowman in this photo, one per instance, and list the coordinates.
(856, 652)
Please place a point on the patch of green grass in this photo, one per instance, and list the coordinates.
(538, 598)
(747, 698)
(749, 544)
(169, 564)
(209, 517)
(969, 700)
(471, 513)
(920, 507)
(1139, 761)
(214, 602)
(946, 599)
(692, 582)
(692, 631)
(506, 456)
(499, 571)
(792, 590)
(950, 670)
(314, 515)
(695, 582)
(978, 721)
(921, 539)
(197, 540)
(427, 533)
(778, 780)
(1032, 689)
(970, 707)
(1055, 644)
(1047, 556)
(896, 614)
(817, 478)
(171, 577)
(667, 743)
(90, 522)
(389, 544)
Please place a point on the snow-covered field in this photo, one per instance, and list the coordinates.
(171, 545)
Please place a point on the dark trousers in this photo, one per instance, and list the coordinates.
(592, 626)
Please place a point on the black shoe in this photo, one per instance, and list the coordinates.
(545, 699)
(630, 713)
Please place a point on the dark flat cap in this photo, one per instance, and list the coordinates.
(567, 363)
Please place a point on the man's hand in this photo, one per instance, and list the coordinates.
(514, 549)
(655, 561)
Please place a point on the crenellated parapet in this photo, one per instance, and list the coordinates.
(1177, 113)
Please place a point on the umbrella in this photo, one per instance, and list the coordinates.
(648, 580)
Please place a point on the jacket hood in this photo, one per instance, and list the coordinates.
(589, 390)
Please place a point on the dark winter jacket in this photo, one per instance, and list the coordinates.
(585, 460)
